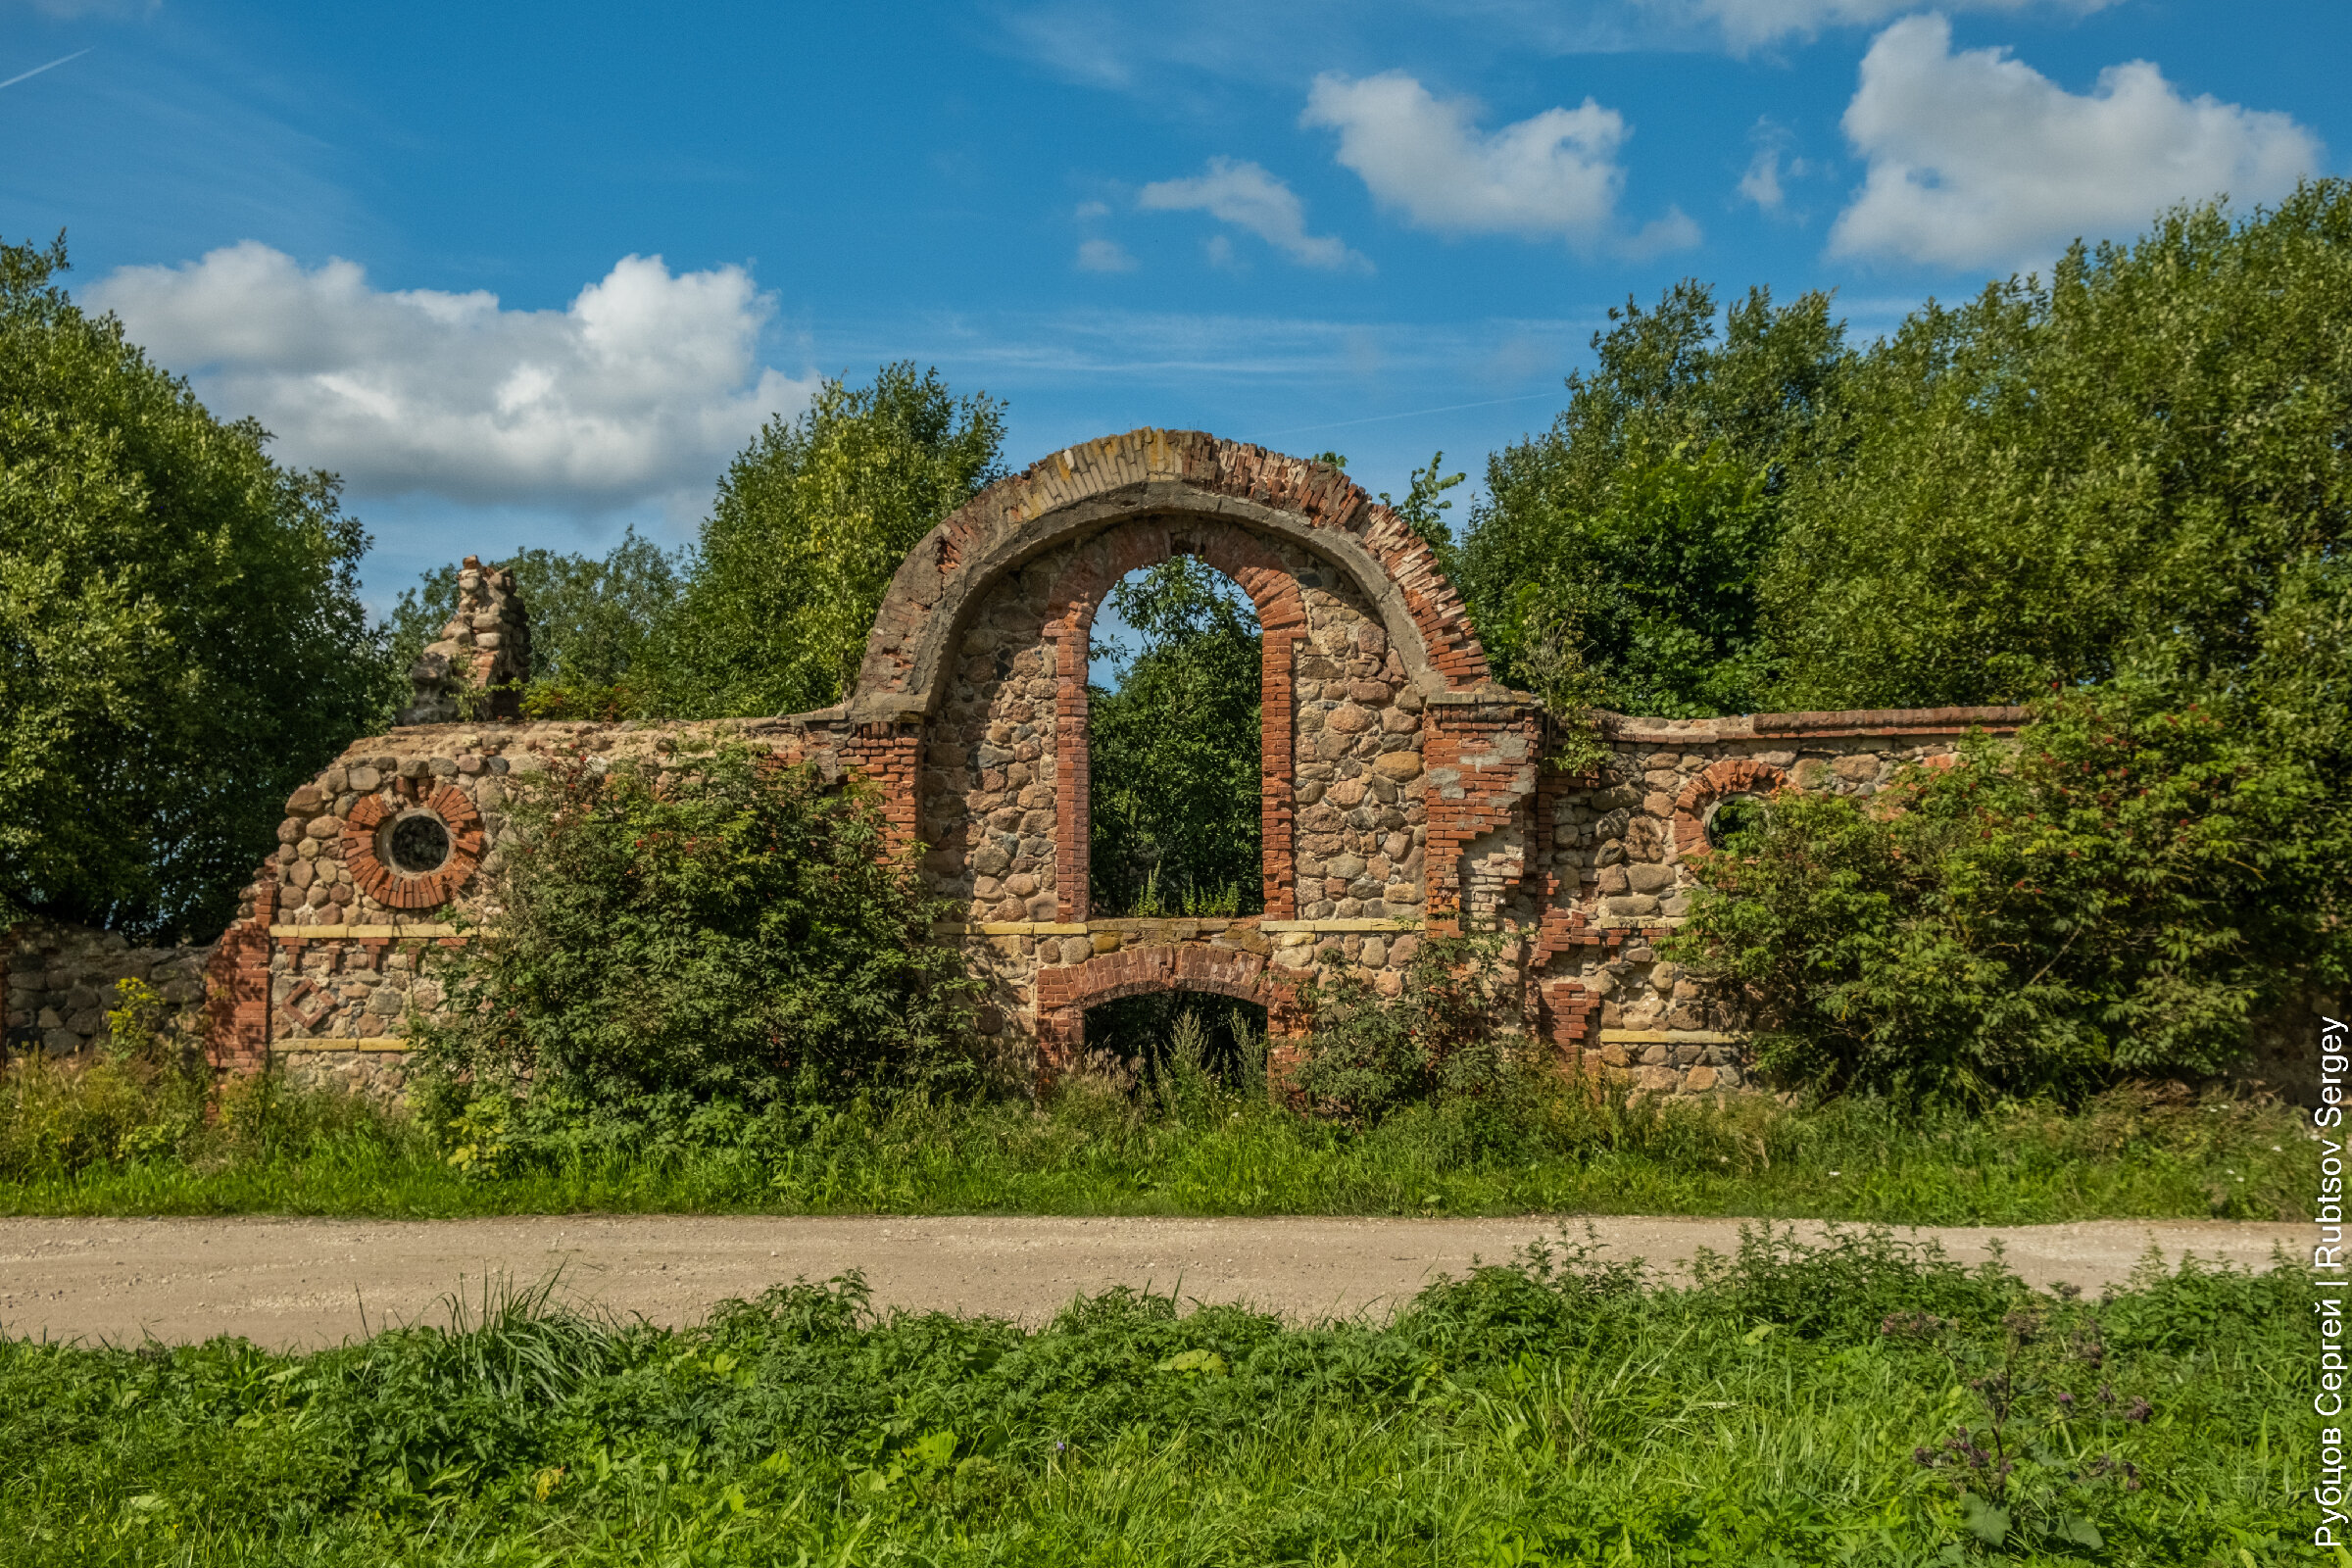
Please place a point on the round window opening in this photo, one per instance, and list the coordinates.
(1734, 816)
(419, 843)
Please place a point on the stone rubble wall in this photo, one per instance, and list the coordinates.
(482, 658)
(61, 983)
(338, 940)
(1404, 793)
(1618, 858)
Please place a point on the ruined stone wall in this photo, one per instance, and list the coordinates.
(1402, 793)
(387, 861)
(60, 982)
(477, 667)
(1616, 858)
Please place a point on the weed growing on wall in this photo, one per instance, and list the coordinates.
(715, 938)
(1435, 1041)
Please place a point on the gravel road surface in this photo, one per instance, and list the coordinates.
(310, 1281)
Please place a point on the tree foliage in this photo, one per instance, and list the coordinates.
(811, 521)
(182, 639)
(2129, 465)
(1175, 752)
(1424, 506)
(1616, 556)
(720, 930)
(2123, 892)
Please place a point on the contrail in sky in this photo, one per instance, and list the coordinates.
(37, 70)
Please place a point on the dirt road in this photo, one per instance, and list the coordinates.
(301, 1282)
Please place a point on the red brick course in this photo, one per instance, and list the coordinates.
(1065, 991)
(237, 1002)
(400, 889)
(1479, 772)
(1123, 469)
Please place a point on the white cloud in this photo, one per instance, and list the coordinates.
(1245, 196)
(1103, 256)
(645, 384)
(1555, 172)
(1747, 24)
(1975, 157)
(1761, 183)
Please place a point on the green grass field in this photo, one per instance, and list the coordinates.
(1558, 1410)
(2131, 1153)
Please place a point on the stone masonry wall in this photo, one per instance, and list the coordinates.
(1402, 791)
(1617, 855)
(61, 982)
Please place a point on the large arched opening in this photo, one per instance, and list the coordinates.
(1174, 743)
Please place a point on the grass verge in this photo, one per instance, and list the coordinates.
(2134, 1153)
(1796, 1404)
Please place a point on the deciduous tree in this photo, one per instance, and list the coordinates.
(182, 639)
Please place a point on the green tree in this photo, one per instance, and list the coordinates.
(1617, 555)
(2131, 463)
(811, 521)
(1174, 751)
(182, 638)
(592, 624)
(1424, 508)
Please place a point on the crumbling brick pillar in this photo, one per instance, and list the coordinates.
(888, 758)
(478, 668)
(236, 1004)
(1481, 758)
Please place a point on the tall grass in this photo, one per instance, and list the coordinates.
(1178, 1142)
(1558, 1410)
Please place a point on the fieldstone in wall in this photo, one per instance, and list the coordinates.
(61, 983)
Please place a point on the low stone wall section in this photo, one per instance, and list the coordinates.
(1617, 862)
(61, 982)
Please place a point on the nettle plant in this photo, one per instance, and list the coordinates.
(2045, 1442)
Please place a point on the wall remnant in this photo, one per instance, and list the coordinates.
(477, 668)
(60, 983)
(1402, 791)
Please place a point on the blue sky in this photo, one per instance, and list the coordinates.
(528, 274)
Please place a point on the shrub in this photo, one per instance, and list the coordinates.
(1369, 1055)
(720, 930)
(2101, 896)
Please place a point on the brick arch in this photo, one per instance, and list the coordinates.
(1733, 775)
(1184, 478)
(1064, 992)
(1070, 606)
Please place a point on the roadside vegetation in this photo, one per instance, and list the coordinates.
(126, 1139)
(1855, 1402)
